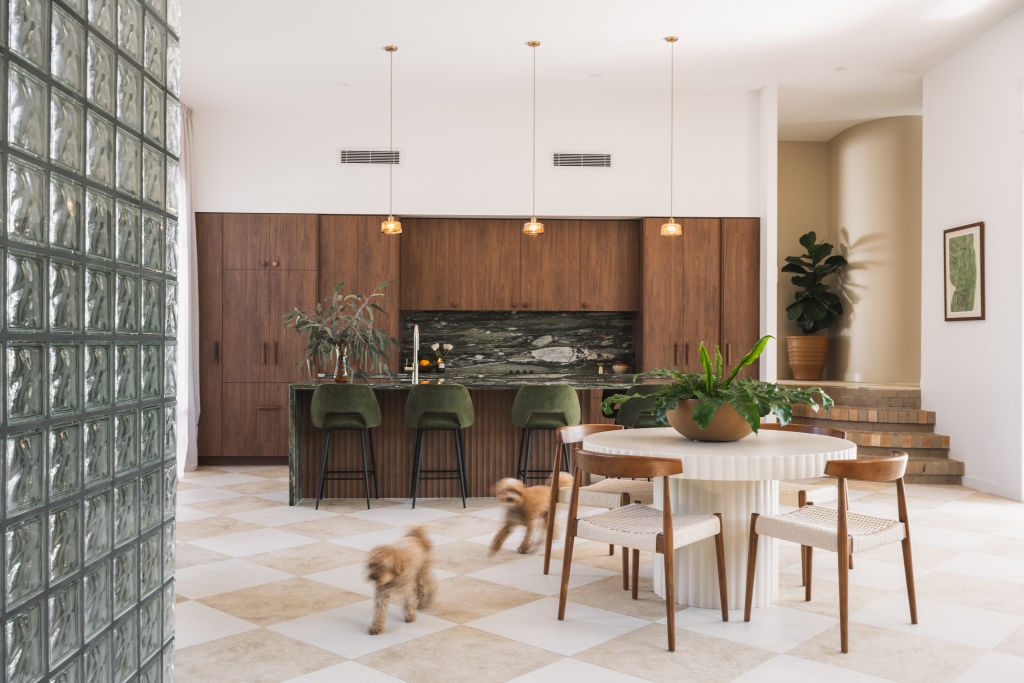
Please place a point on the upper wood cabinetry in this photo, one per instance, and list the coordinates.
(488, 264)
(270, 240)
(429, 264)
(701, 282)
(610, 265)
(660, 324)
(549, 268)
(209, 253)
(741, 286)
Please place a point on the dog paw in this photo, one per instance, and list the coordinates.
(523, 549)
(409, 618)
(375, 629)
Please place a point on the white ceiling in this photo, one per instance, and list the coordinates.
(837, 62)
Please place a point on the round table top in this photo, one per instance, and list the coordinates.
(767, 455)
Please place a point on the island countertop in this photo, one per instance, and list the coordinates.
(481, 381)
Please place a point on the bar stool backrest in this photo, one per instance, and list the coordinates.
(351, 399)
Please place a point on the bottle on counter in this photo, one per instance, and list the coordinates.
(440, 366)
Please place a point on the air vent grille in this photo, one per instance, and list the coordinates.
(369, 156)
(574, 159)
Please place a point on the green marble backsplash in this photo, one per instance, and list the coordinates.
(502, 342)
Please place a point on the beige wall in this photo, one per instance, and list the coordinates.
(871, 174)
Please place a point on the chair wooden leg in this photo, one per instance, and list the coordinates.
(801, 498)
(723, 593)
(844, 602)
(851, 560)
(908, 568)
(751, 560)
(636, 573)
(625, 568)
(570, 536)
(611, 549)
(549, 527)
(670, 597)
(809, 556)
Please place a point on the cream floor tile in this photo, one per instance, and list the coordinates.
(343, 631)
(961, 589)
(229, 506)
(953, 520)
(191, 514)
(258, 656)
(786, 669)
(463, 526)
(886, 501)
(402, 515)
(271, 472)
(455, 504)
(222, 577)
(202, 472)
(461, 599)
(608, 594)
(458, 655)
(1013, 531)
(346, 671)
(210, 527)
(277, 496)
(985, 509)
(867, 572)
(1013, 644)
(187, 486)
(197, 623)
(527, 574)
(972, 626)
(825, 596)
(343, 506)
(493, 511)
(372, 539)
(536, 623)
(569, 669)
(515, 538)
(986, 565)
(330, 528)
(353, 578)
(225, 480)
(937, 492)
(772, 628)
(925, 556)
(922, 532)
(994, 667)
(310, 558)
(281, 515)
(272, 603)
(260, 486)
(202, 495)
(252, 542)
(188, 555)
(1002, 545)
(460, 557)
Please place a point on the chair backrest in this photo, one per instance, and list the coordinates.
(627, 466)
(453, 399)
(576, 433)
(804, 429)
(546, 399)
(891, 468)
(350, 398)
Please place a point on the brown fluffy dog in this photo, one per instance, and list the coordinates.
(405, 568)
(526, 506)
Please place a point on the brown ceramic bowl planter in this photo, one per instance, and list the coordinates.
(726, 425)
(808, 355)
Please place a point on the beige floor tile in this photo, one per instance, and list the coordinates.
(643, 653)
(825, 595)
(211, 526)
(890, 654)
(187, 486)
(924, 556)
(188, 555)
(462, 557)
(343, 506)
(280, 601)
(982, 497)
(271, 473)
(259, 656)
(871, 486)
(1002, 545)
(886, 499)
(463, 526)
(252, 487)
(608, 594)
(1002, 596)
(202, 472)
(462, 599)
(229, 506)
(1014, 643)
(309, 559)
(459, 654)
(333, 527)
(455, 504)
(938, 518)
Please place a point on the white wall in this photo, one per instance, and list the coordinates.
(973, 149)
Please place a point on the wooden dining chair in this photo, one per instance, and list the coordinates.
(841, 531)
(608, 493)
(801, 492)
(640, 527)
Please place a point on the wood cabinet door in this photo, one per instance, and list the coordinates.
(741, 289)
(610, 265)
(293, 241)
(245, 349)
(700, 281)
(430, 277)
(378, 258)
(255, 419)
(246, 240)
(660, 323)
(549, 275)
(286, 290)
(209, 253)
(337, 254)
(488, 261)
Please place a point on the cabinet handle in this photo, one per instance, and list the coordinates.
(454, 305)
(268, 407)
(675, 353)
(264, 353)
(275, 353)
(216, 352)
(263, 263)
(584, 305)
(275, 264)
(524, 305)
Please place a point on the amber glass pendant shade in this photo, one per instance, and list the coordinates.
(533, 227)
(671, 229)
(392, 226)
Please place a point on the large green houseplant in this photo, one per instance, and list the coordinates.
(344, 327)
(814, 308)
(699, 397)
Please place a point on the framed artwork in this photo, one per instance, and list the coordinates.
(963, 251)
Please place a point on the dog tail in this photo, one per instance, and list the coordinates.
(420, 534)
(564, 480)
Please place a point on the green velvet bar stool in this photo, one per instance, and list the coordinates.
(439, 406)
(543, 406)
(342, 407)
(637, 413)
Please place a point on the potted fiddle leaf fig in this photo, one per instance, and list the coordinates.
(814, 308)
(715, 405)
(344, 329)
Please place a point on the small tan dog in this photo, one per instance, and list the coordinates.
(405, 568)
(524, 506)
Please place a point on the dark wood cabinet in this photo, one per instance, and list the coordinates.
(610, 265)
(429, 271)
(268, 240)
(549, 274)
(255, 420)
(246, 326)
(741, 278)
(209, 253)
(488, 263)
(701, 283)
(660, 323)
(286, 290)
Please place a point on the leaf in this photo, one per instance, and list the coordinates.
(751, 356)
(718, 362)
(808, 239)
(705, 362)
(744, 403)
(705, 411)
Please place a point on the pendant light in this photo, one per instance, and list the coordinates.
(533, 227)
(671, 229)
(392, 226)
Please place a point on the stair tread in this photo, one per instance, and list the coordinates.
(868, 414)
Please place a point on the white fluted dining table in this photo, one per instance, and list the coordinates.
(735, 478)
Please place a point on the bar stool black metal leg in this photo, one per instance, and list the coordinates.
(366, 474)
(323, 471)
(519, 461)
(373, 464)
(460, 459)
(416, 466)
(565, 457)
(526, 457)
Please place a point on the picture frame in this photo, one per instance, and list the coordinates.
(963, 271)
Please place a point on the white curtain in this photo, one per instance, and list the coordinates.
(188, 311)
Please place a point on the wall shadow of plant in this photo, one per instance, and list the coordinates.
(858, 257)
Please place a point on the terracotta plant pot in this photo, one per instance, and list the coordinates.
(807, 356)
(726, 425)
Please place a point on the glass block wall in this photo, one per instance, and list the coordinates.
(91, 141)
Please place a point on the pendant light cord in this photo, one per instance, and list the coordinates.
(533, 160)
(391, 130)
(671, 129)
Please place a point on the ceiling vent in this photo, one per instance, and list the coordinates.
(368, 156)
(574, 159)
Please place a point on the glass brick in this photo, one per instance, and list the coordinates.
(153, 240)
(125, 443)
(25, 287)
(129, 95)
(99, 221)
(25, 455)
(99, 300)
(101, 80)
(126, 373)
(28, 21)
(157, 6)
(153, 110)
(65, 379)
(171, 310)
(67, 50)
(170, 486)
(150, 671)
(23, 560)
(173, 186)
(25, 377)
(129, 163)
(150, 564)
(65, 636)
(152, 175)
(129, 27)
(27, 102)
(65, 541)
(168, 662)
(97, 660)
(98, 376)
(174, 15)
(129, 233)
(171, 253)
(169, 610)
(99, 150)
(65, 296)
(170, 369)
(150, 628)
(169, 548)
(72, 673)
(126, 572)
(155, 48)
(152, 362)
(173, 127)
(101, 16)
(151, 443)
(23, 634)
(65, 213)
(126, 523)
(152, 306)
(65, 465)
(127, 304)
(67, 131)
(98, 450)
(98, 524)
(126, 654)
(97, 599)
(170, 431)
(173, 67)
(77, 6)
(26, 202)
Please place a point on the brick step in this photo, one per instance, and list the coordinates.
(849, 413)
(902, 440)
(914, 453)
(882, 423)
(876, 397)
